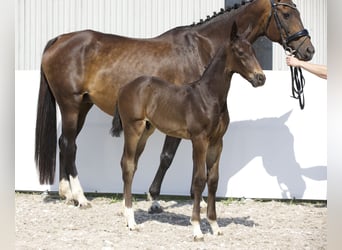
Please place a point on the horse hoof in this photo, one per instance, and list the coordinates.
(219, 233)
(85, 205)
(70, 202)
(81, 205)
(133, 228)
(155, 208)
(198, 238)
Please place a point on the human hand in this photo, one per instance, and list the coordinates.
(292, 61)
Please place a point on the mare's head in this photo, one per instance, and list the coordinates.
(285, 26)
(242, 58)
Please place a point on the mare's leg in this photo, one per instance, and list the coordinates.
(213, 158)
(166, 157)
(200, 146)
(69, 185)
(132, 149)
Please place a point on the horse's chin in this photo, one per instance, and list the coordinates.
(306, 57)
(256, 85)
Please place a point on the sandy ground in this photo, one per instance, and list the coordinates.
(46, 222)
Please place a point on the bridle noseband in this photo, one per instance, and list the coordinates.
(287, 39)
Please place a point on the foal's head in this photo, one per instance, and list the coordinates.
(242, 58)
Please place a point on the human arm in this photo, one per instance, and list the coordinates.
(317, 69)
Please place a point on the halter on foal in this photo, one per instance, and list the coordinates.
(195, 111)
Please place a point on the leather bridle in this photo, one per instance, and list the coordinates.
(286, 38)
(297, 78)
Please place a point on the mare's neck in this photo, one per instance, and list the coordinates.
(253, 14)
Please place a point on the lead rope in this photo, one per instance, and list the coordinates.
(298, 83)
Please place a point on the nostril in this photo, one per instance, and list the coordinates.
(310, 49)
(261, 77)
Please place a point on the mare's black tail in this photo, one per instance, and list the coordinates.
(116, 123)
(46, 131)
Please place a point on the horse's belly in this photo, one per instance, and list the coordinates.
(105, 103)
(169, 126)
(178, 133)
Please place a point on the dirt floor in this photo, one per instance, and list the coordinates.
(45, 222)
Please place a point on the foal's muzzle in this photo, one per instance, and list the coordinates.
(258, 79)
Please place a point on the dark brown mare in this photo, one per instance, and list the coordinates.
(195, 111)
(84, 68)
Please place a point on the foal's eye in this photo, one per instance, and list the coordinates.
(240, 52)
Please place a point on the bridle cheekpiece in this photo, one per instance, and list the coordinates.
(288, 38)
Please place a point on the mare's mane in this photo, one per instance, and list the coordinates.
(222, 11)
(228, 10)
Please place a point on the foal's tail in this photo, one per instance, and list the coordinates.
(116, 123)
(46, 131)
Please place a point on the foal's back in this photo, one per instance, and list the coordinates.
(179, 111)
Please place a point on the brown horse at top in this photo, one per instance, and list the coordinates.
(195, 111)
(84, 68)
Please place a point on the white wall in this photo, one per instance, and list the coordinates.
(38, 21)
(272, 148)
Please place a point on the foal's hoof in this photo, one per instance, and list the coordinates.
(85, 205)
(70, 202)
(198, 238)
(133, 228)
(155, 208)
(82, 205)
(218, 233)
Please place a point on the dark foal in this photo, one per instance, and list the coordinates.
(195, 111)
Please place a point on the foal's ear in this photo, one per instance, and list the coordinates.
(233, 32)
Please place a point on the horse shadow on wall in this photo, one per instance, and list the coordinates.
(271, 140)
(268, 138)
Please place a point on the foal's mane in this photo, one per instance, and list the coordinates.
(222, 11)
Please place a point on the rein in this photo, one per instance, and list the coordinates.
(298, 82)
(297, 78)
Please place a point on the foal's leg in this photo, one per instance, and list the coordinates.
(142, 141)
(199, 146)
(166, 157)
(132, 150)
(213, 158)
(69, 185)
